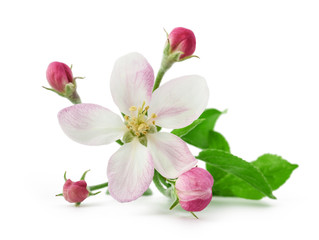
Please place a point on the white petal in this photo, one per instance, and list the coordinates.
(170, 154)
(130, 172)
(180, 101)
(132, 82)
(91, 124)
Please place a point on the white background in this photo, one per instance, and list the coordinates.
(260, 59)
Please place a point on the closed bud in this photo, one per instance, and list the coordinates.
(59, 75)
(75, 192)
(182, 40)
(180, 46)
(194, 189)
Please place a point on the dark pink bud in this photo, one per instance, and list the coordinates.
(58, 75)
(75, 192)
(182, 39)
(194, 189)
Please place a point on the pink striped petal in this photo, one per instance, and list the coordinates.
(130, 172)
(170, 154)
(132, 82)
(91, 124)
(180, 101)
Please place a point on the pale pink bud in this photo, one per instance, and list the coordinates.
(182, 39)
(75, 192)
(194, 189)
(58, 75)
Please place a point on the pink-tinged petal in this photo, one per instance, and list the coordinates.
(180, 101)
(195, 181)
(132, 82)
(130, 172)
(91, 124)
(170, 154)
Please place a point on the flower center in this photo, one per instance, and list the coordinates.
(139, 123)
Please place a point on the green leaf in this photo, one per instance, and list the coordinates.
(238, 168)
(231, 186)
(217, 142)
(199, 133)
(275, 169)
(181, 132)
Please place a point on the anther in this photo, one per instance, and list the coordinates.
(132, 109)
(141, 127)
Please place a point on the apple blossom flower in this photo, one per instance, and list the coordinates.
(75, 192)
(194, 189)
(183, 40)
(175, 104)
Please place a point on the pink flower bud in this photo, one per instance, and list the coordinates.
(58, 75)
(75, 192)
(182, 39)
(194, 189)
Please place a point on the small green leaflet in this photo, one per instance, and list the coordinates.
(218, 142)
(237, 167)
(275, 169)
(200, 133)
(181, 132)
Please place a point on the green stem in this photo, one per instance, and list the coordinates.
(163, 180)
(75, 98)
(159, 78)
(158, 184)
(99, 186)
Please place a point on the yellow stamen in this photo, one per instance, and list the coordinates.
(132, 109)
(141, 126)
(138, 122)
